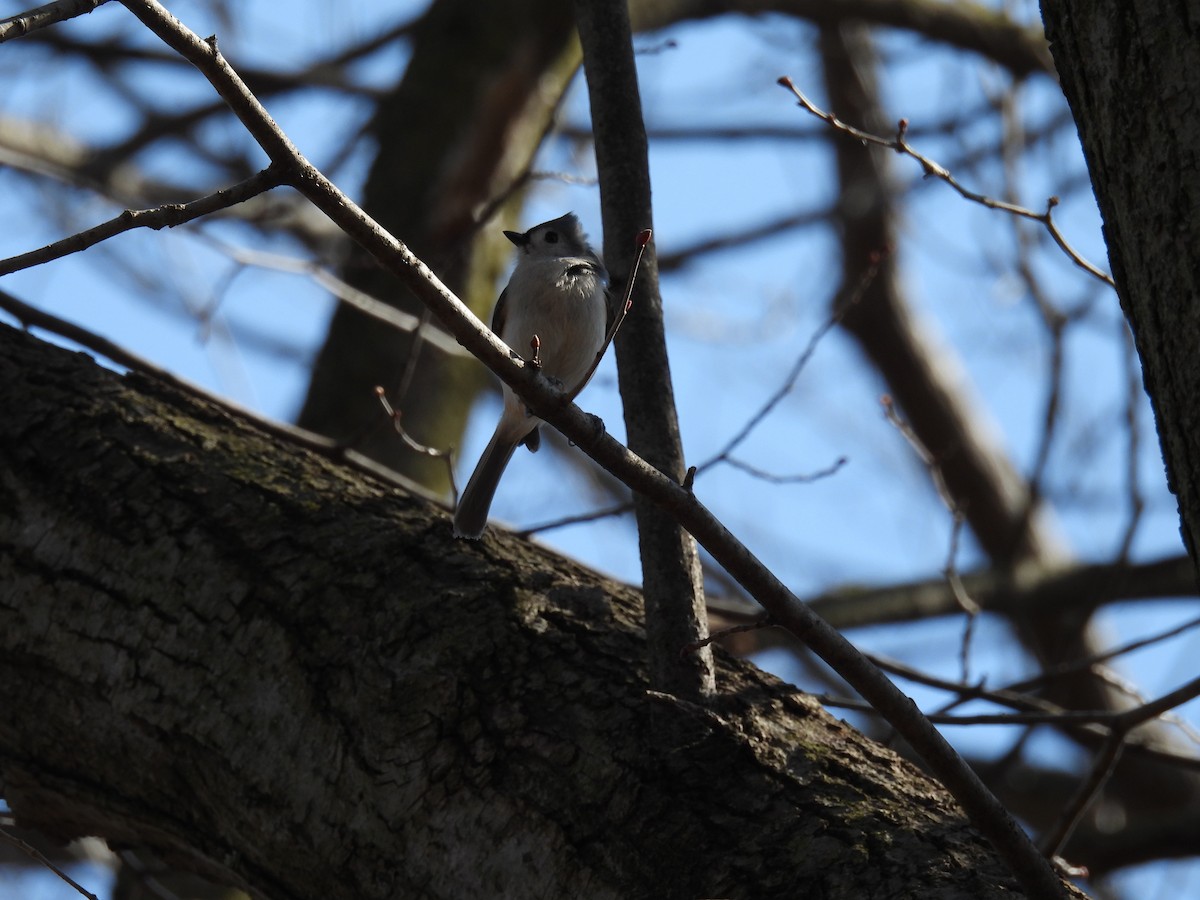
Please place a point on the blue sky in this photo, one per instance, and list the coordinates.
(736, 320)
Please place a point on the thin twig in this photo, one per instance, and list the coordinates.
(1038, 711)
(33, 19)
(1016, 694)
(446, 456)
(1050, 416)
(423, 334)
(1102, 768)
(1063, 717)
(958, 515)
(1088, 663)
(772, 478)
(1122, 722)
(395, 415)
(37, 856)
(1124, 686)
(961, 597)
(1132, 718)
(342, 291)
(797, 368)
(167, 216)
(642, 240)
(677, 259)
(936, 170)
(764, 622)
(618, 509)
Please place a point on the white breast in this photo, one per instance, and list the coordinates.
(562, 302)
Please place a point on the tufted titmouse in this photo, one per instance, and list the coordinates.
(556, 292)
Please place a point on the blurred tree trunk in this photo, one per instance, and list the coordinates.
(459, 130)
(1131, 73)
(992, 495)
(292, 678)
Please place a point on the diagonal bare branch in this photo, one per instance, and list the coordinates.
(34, 19)
(934, 169)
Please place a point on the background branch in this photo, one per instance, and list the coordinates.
(671, 581)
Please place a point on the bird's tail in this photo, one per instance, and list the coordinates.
(471, 515)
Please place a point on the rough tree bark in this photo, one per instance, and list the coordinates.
(1131, 73)
(291, 678)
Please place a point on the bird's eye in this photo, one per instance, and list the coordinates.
(551, 237)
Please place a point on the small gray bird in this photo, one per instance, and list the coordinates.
(557, 292)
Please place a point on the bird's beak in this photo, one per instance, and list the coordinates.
(517, 238)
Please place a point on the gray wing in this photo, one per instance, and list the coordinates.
(500, 313)
(533, 439)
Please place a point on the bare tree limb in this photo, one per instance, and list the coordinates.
(671, 575)
(23, 23)
(167, 216)
(1038, 877)
(349, 712)
(41, 859)
(933, 169)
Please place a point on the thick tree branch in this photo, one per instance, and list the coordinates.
(327, 696)
(32, 317)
